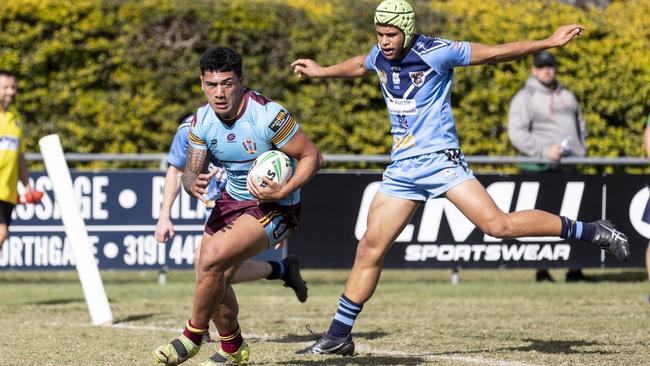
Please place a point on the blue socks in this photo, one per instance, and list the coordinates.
(278, 268)
(577, 230)
(344, 318)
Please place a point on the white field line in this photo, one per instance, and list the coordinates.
(451, 357)
(364, 349)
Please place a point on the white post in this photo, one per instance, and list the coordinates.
(75, 229)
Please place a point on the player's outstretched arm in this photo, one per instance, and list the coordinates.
(486, 54)
(350, 68)
(164, 226)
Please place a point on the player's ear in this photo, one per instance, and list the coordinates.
(201, 77)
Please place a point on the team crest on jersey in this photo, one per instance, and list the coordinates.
(250, 146)
(417, 78)
(382, 76)
(231, 137)
(280, 119)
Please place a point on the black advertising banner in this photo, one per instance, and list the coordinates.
(335, 208)
(121, 208)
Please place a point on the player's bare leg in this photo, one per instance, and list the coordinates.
(252, 270)
(471, 198)
(387, 217)
(230, 246)
(287, 270)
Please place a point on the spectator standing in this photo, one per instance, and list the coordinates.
(545, 121)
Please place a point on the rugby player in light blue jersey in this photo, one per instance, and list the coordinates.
(287, 270)
(235, 127)
(415, 73)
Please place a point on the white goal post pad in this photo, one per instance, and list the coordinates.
(75, 229)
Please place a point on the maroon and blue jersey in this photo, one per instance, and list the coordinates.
(260, 126)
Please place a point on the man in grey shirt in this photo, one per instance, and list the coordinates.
(545, 121)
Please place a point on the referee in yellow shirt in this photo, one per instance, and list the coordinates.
(12, 148)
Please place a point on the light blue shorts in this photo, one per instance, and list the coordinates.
(425, 176)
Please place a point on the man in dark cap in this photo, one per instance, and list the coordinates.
(545, 121)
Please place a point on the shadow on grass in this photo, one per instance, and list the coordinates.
(557, 347)
(625, 276)
(357, 360)
(297, 338)
(539, 345)
(57, 301)
(133, 318)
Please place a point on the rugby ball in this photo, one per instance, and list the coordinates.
(273, 164)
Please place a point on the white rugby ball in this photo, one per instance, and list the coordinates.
(274, 165)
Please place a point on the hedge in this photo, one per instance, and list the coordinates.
(117, 76)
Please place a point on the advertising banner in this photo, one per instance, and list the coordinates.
(120, 209)
(335, 209)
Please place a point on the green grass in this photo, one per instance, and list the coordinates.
(415, 318)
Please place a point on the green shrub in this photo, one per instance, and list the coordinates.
(116, 76)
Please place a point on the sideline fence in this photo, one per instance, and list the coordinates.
(350, 158)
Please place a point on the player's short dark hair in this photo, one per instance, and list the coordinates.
(4, 72)
(220, 59)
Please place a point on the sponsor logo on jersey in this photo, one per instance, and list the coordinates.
(400, 106)
(403, 142)
(231, 137)
(396, 78)
(279, 121)
(9, 143)
(250, 146)
(287, 126)
(417, 78)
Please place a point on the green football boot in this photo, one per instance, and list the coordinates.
(176, 352)
(222, 357)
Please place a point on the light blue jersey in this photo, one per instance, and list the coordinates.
(417, 90)
(178, 152)
(260, 126)
(427, 161)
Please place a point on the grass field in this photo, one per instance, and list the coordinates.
(415, 318)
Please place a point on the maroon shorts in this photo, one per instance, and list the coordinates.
(278, 221)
